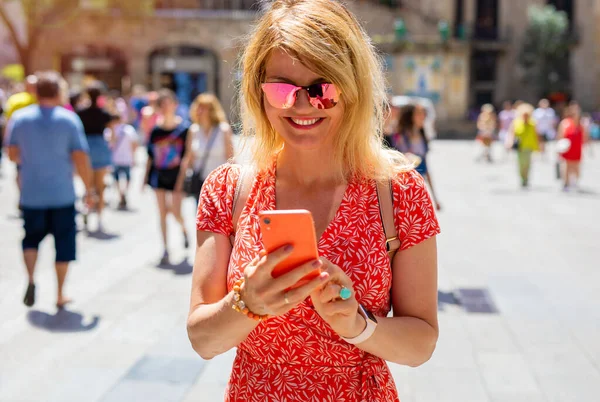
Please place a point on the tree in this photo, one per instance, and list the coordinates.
(545, 51)
(43, 14)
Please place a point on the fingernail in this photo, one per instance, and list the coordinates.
(316, 263)
(288, 248)
(324, 276)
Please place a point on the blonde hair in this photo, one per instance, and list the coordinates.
(488, 108)
(216, 112)
(524, 108)
(487, 115)
(327, 38)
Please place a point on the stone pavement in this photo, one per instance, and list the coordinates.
(519, 299)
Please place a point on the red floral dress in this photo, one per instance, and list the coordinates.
(297, 356)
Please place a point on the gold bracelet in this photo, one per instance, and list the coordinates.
(239, 305)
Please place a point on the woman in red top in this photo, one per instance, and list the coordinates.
(313, 98)
(572, 129)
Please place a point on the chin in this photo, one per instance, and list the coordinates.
(305, 141)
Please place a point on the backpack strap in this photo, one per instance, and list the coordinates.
(240, 196)
(386, 213)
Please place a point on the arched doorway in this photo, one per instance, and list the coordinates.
(104, 63)
(187, 70)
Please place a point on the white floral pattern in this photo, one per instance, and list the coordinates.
(297, 356)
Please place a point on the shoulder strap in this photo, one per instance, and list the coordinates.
(240, 196)
(386, 212)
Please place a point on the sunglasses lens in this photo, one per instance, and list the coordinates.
(280, 95)
(283, 96)
(323, 96)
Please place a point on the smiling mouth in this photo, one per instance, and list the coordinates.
(304, 124)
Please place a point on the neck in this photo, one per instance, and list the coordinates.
(307, 168)
(48, 102)
(169, 120)
(206, 126)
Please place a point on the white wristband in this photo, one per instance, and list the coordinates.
(369, 329)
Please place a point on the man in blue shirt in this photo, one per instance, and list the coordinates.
(47, 140)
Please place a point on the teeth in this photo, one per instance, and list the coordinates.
(305, 122)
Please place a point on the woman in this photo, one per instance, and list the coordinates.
(572, 129)
(317, 145)
(149, 116)
(523, 137)
(211, 139)
(486, 128)
(390, 126)
(166, 151)
(96, 121)
(412, 142)
(505, 118)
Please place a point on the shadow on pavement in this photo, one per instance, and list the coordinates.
(103, 236)
(585, 192)
(447, 299)
(525, 191)
(63, 321)
(126, 210)
(183, 268)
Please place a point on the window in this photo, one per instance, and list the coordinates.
(484, 66)
(486, 21)
(483, 96)
(459, 23)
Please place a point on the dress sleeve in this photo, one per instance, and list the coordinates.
(414, 213)
(215, 207)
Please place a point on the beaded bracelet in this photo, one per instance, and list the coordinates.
(239, 305)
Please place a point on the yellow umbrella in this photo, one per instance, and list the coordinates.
(14, 72)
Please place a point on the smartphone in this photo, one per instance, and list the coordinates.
(295, 227)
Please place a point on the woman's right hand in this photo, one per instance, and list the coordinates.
(262, 294)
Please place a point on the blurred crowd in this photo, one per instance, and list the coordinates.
(55, 133)
(526, 129)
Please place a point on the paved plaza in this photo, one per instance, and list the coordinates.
(519, 291)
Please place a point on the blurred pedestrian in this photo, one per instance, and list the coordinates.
(412, 142)
(523, 137)
(313, 97)
(137, 101)
(505, 117)
(573, 133)
(96, 121)
(486, 130)
(123, 145)
(149, 116)
(211, 140)
(22, 99)
(46, 140)
(65, 99)
(16, 102)
(545, 120)
(390, 125)
(166, 151)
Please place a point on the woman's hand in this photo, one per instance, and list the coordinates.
(341, 315)
(263, 294)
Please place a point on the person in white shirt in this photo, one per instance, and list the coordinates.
(123, 144)
(505, 117)
(546, 121)
(210, 144)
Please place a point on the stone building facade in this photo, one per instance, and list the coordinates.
(181, 44)
(178, 45)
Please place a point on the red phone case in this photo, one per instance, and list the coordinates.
(295, 227)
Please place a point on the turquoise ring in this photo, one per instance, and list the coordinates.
(345, 293)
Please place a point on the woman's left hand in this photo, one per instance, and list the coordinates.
(341, 315)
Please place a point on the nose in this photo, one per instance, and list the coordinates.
(302, 100)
